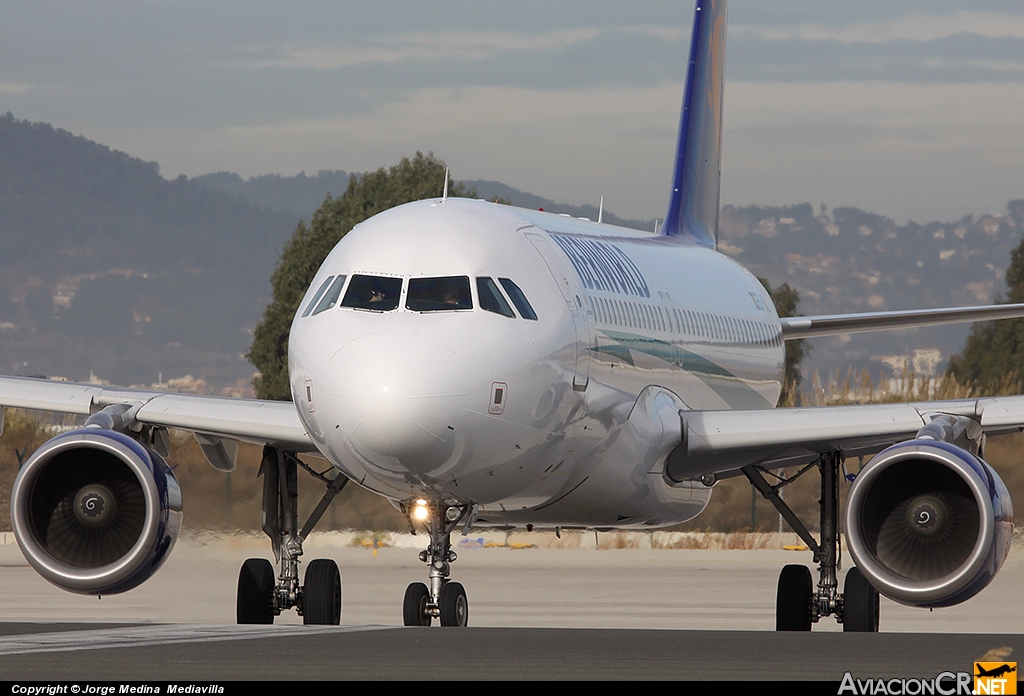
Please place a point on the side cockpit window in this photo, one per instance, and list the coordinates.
(491, 298)
(439, 294)
(330, 298)
(375, 293)
(518, 299)
(316, 297)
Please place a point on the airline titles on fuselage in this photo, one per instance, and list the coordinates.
(602, 266)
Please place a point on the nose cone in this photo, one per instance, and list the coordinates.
(398, 399)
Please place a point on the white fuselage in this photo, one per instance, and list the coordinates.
(523, 418)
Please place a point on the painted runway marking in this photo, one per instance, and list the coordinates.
(135, 636)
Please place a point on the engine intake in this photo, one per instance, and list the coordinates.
(95, 512)
(928, 523)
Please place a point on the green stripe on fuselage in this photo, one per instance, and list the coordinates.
(733, 390)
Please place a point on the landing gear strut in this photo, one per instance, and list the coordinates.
(261, 596)
(442, 599)
(798, 605)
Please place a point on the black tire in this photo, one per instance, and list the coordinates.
(860, 604)
(414, 608)
(255, 598)
(453, 605)
(321, 594)
(793, 601)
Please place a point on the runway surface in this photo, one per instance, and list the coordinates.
(534, 613)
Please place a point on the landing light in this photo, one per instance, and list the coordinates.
(420, 512)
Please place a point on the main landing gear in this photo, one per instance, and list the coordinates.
(797, 603)
(261, 595)
(443, 599)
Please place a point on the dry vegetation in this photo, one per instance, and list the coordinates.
(218, 501)
(212, 499)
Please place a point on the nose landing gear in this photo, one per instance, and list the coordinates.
(443, 599)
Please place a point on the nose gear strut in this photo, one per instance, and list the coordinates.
(443, 599)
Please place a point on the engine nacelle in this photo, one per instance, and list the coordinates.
(95, 512)
(928, 523)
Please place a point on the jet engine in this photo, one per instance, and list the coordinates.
(928, 523)
(95, 512)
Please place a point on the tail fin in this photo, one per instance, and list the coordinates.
(693, 205)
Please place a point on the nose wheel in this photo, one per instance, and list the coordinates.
(414, 609)
(453, 605)
(441, 599)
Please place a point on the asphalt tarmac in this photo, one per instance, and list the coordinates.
(535, 613)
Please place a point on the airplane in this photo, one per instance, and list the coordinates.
(484, 366)
(999, 671)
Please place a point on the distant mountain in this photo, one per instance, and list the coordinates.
(298, 195)
(108, 268)
(301, 195)
(850, 260)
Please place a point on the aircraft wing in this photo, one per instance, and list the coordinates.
(833, 324)
(250, 420)
(722, 441)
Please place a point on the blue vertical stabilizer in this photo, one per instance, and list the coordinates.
(693, 206)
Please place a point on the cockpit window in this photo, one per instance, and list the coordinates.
(316, 297)
(518, 299)
(373, 292)
(439, 294)
(330, 297)
(491, 298)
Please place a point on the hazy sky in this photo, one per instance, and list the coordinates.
(910, 109)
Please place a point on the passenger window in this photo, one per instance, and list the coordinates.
(491, 298)
(330, 298)
(439, 294)
(518, 299)
(373, 292)
(312, 303)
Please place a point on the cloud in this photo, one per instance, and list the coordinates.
(14, 88)
(438, 46)
(573, 144)
(996, 66)
(428, 111)
(912, 27)
(902, 149)
(968, 106)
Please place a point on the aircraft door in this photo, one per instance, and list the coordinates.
(574, 301)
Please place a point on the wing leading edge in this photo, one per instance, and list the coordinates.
(794, 328)
(715, 442)
(262, 422)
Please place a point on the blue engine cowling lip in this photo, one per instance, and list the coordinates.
(160, 529)
(990, 550)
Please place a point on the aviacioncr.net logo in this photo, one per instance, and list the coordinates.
(943, 684)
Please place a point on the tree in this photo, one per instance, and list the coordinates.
(992, 360)
(786, 300)
(374, 192)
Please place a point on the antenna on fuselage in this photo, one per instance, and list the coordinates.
(600, 211)
(444, 196)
